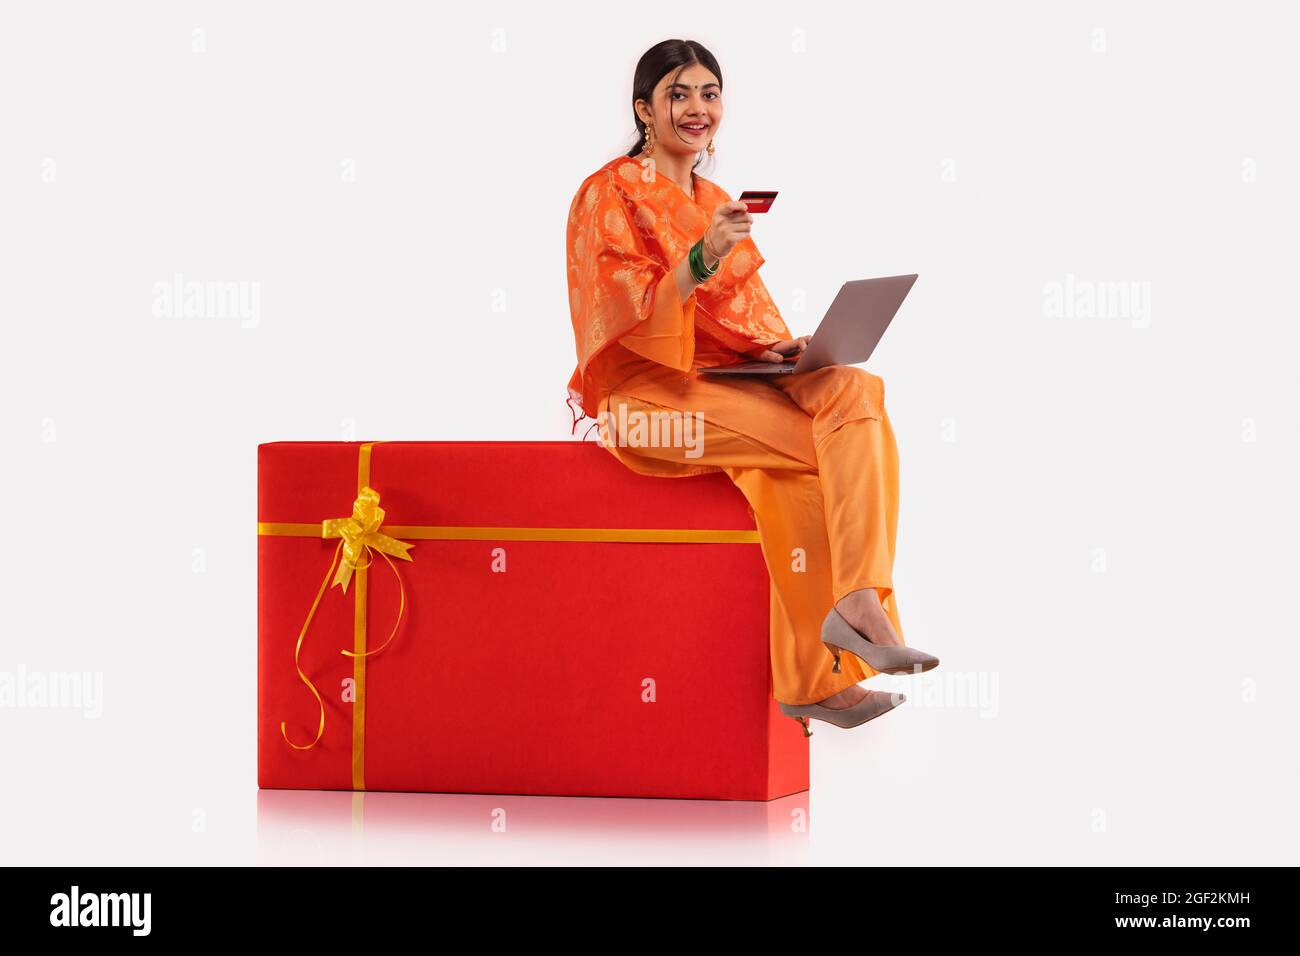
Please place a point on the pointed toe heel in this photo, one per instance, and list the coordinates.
(868, 708)
(839, 635)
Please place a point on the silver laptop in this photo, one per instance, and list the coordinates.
(848, 333)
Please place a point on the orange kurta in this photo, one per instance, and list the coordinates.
(813, 453)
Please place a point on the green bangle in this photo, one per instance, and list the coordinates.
(699, 271)
(716, 266)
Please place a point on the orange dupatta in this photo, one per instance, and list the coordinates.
(628, 229)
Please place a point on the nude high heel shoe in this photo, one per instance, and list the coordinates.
(876, 702)
(838, 634)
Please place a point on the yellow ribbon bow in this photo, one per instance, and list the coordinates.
(358, 535)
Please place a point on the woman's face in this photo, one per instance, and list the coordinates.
(685, 112)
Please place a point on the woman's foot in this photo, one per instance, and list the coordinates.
(862, 610)
(845, 698)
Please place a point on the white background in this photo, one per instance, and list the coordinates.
(1098, 525)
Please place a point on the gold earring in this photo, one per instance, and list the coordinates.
(649, 140)
(710, 147)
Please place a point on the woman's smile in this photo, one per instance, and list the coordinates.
(694, 129)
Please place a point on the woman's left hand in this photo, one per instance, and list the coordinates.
(781, 351)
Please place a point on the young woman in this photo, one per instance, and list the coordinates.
(663, 280)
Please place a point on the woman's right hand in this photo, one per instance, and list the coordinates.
(731, 222)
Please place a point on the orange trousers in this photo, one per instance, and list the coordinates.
(825, 504)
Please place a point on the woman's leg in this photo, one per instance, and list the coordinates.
(786, 497)
(790, 512)
(857, 459)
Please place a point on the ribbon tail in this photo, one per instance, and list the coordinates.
(401, 609)
(324, 585)
(386, 545)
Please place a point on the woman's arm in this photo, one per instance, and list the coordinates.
(686, 282)
(731, 222)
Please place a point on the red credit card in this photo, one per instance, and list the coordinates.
(758, 200)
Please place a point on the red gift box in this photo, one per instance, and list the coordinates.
(523, 617)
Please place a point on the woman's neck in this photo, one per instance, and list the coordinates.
(676, 168)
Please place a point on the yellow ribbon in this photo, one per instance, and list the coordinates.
(462, 532)
(363, 532)
(359, 534)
